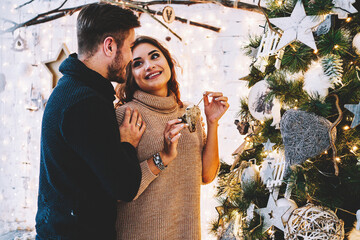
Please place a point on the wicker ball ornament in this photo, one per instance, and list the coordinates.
(314, 222)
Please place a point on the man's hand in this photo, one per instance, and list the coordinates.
(132, 128)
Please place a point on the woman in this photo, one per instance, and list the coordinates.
(173, 164)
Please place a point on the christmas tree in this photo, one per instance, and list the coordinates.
(297, 174)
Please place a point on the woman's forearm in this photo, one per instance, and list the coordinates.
(210, 155)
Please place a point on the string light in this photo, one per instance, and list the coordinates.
(346, 127)
(337, 159)
(348, 19)
(336, 46)
(316, 51)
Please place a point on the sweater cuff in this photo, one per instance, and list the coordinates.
(131, 148)
(147, 177)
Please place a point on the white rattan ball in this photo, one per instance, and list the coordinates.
(314, 222)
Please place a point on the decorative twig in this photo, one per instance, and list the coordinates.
(332, 141)
(134, 5)
(24, 4)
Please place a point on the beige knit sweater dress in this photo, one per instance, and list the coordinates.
(167, 206)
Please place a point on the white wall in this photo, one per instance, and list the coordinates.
(210, 61)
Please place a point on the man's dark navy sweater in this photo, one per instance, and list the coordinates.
(84, 168)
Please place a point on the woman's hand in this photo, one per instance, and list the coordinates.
(215, 109)
(171, 139)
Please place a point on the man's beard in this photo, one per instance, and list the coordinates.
(116, 70)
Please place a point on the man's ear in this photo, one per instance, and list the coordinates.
(109, 46)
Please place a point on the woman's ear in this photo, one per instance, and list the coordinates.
(109, 46)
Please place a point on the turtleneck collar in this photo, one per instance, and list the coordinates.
(159, 104)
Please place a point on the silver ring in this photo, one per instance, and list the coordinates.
(138, 124)
(169, 138)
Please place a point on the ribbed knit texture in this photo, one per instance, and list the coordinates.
(167, 205)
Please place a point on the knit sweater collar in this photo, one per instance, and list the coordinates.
(160, 104)
(76, 69)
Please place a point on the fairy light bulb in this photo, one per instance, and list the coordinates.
(316, 51)
(348, 19)
(326, 152)
(337, 159)
(354, 148)
(336, 46)
(346, 127)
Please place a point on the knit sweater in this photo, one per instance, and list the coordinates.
(84, 169)
(167, 205)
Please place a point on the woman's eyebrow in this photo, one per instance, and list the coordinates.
(148, 54)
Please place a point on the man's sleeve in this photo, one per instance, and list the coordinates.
(91, 130)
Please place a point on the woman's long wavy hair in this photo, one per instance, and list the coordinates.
(125, 92)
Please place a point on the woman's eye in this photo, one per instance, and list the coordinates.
(155, 56)
(136, 64)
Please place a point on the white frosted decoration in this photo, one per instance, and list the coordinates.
(358, 220)
(24, 69)
(316, 82)
(356, 43)
(297, 27)
(268, 44)
(250, 174)
(283, 202)
(343, 7)
(278, 166)
(314, 223)
(250, 213)
(260, 109)
(266, 170)
(2, 82)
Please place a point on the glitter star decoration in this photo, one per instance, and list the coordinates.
(355, 109)
(272, 215)
(297, 27)
(343, 7)
(268, 146)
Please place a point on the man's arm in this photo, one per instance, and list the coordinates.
(90, 128)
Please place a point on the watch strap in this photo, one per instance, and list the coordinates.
(158, 161)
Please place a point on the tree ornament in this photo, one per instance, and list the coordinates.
(297, 27)
(268, 146)
(278, 167)
(2, 82)
(168, 38)
(356, 43)
(168, 14)
(242, 127)
(291, 204)
(324, 27)
(358, 220)
(305, 135)
(272, 214)
(355, 109)
(316, 83)
(250, 213)
(19, 44)
(314, 222)
(52, 65)
(232, 230)
(343, 7)
(249, 173)
(266, 171)
(267, 47)
(261, 109)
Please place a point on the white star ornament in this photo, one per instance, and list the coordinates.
(343, 7)
(297, 27)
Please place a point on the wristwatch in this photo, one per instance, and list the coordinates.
(158, 161)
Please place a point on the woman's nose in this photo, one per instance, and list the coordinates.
(149, 65)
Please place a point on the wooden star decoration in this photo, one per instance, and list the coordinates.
(52, 65)
(268, 146)
(343, 7)
(272, 215)
(297, 27)
(355, 109)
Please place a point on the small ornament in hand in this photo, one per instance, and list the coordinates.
(191, 116)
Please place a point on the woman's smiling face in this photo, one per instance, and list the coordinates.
(150, 69)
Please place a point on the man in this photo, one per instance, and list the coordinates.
(84, 168)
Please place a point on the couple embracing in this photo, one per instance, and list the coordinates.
(133, 172)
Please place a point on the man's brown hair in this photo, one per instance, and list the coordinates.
(98, 21)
